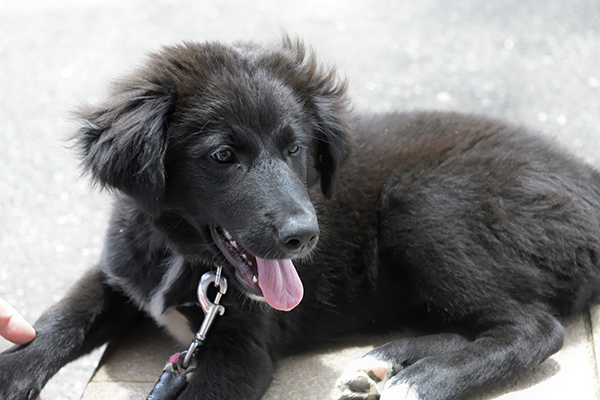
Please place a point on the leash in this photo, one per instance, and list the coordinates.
(181, 366)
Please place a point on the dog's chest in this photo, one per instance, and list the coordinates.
(159, 294)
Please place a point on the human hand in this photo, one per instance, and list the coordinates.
(13, 326)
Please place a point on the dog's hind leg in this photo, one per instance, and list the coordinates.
(442, 367)
(91, 314)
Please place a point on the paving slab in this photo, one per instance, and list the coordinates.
(130, 367)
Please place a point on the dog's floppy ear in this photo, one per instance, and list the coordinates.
(123, 142)
(332, 136)
(325, 97)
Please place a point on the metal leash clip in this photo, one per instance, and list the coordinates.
(179, 369)
(210, 310)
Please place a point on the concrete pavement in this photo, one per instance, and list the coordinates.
(534, 62)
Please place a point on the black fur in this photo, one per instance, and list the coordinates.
(469, 221)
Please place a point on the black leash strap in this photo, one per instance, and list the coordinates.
(173, 379)
(181, 366)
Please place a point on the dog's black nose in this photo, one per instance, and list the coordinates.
(299, 233)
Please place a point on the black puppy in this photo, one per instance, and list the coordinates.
(236, 155)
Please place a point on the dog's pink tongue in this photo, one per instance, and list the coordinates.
(279, 283)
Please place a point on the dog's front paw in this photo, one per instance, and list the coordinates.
(365, 379)
(17, 380)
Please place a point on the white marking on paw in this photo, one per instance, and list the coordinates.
(399, 391)
(364, 377)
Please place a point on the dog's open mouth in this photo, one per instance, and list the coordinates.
(276, 280)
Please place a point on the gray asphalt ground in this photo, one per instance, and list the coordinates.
(533, 62)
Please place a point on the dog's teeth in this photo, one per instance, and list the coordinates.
(254, 279)
(230, 239)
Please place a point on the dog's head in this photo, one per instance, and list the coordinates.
(226, 141)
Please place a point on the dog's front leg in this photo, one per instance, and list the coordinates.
(241, 376)
(88, 316)
(237, 360)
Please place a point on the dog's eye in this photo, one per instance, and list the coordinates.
(293, 150)
(223, 156)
